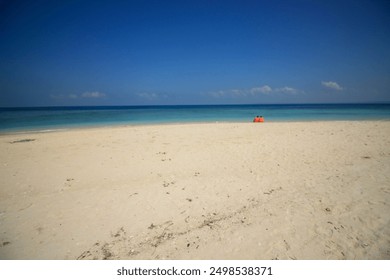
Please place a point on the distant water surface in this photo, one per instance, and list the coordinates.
(51, 118)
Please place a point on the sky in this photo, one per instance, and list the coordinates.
(81, 53)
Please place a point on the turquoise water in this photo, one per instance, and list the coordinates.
(27, 119)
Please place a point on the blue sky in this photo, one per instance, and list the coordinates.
(61, 53)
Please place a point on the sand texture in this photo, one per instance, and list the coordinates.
(310, 190)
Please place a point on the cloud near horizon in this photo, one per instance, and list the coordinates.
(288, 90)
(88, 94)
(152, 95)
(332, 85)
(264, 90)
(94, 94)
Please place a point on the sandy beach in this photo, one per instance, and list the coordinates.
(309, 190)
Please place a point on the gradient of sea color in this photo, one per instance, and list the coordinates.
(27, 119)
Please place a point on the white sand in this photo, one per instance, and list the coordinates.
(313, 190)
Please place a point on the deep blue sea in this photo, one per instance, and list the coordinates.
(52, 118)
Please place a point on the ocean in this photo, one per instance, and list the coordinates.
(54, 118)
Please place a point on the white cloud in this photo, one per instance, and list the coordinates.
(237, 92)
(288, 90)
(148, 96)
(332, 85)
(264, 89)
(94, 94)
(241, 92)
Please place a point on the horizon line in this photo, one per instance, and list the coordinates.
(186, 105)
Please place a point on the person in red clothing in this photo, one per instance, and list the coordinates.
(258, 119)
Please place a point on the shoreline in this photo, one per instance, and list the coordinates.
(295, 190)
(115, 126)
